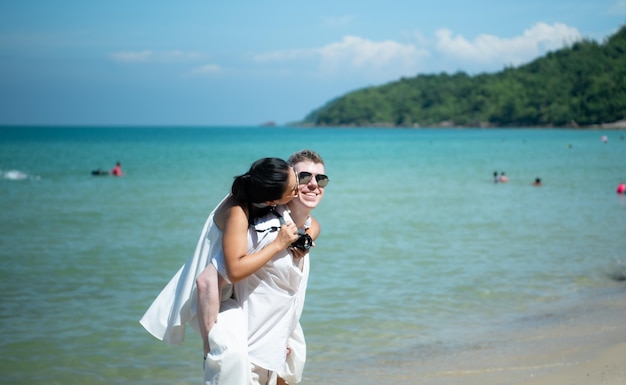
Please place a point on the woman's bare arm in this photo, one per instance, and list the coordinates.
(240, 264)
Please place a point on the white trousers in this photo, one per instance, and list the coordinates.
(261, 376)
(227, 363)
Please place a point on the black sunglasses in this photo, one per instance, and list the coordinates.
(304, 177)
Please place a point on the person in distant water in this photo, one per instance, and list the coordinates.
(503, 178)
(537, 182)
(495, 177)
(117, 170)
(621, 188)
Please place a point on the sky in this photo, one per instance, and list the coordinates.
(216, 63)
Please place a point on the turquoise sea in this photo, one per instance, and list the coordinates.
(421, 255)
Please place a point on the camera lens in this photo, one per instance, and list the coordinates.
(304, 242)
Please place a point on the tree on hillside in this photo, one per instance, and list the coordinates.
(584, 84)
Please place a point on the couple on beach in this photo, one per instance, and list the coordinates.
(243, 289)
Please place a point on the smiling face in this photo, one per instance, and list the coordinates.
(310, 193)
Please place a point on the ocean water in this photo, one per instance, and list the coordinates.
(421, 254)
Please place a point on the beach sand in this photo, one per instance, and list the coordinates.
(581, 343)
(560, 367)
(608, 368)
(577, 341)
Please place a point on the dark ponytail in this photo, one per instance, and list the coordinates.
(265, 181)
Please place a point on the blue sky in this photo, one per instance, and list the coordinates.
(140, 62)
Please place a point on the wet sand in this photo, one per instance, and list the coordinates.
(581, 343)
(578, 342)
(608, 368)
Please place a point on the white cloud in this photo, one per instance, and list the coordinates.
(361, 53)
(294, 54)
(493, 49)
(125, 56)
(390, 59)
(152, 56)
(207, 69)
(356, 53)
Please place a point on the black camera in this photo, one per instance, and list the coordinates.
(304, 242)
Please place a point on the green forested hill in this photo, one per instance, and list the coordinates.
(581, 85)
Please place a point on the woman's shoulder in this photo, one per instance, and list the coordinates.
(228, 209)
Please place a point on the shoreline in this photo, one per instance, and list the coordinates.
(581, 343)
(609, 126)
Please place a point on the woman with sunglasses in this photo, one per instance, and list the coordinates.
(194, 294)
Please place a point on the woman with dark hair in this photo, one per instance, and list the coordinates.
(204, 284)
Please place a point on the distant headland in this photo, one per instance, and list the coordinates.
(580, 86)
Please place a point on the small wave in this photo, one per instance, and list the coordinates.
(619, 276)
(16, 175)
(618, 271)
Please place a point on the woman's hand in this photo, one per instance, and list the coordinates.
(287, 235)
(240, 264)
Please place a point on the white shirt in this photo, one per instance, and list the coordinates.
(272, 298)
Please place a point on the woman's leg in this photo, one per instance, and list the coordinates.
(227, 363)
